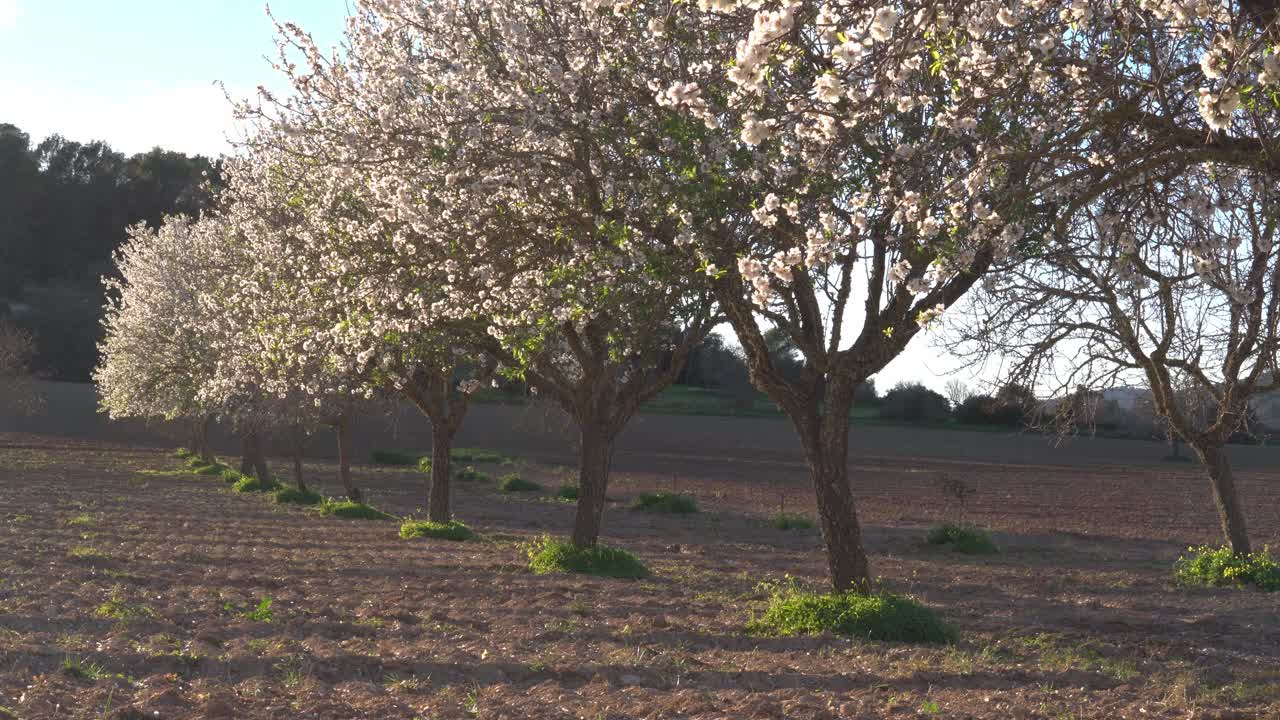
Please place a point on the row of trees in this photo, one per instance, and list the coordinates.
(573, 193)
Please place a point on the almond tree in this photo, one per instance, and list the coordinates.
(1172, 282)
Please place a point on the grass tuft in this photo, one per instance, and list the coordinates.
(424, 465)
(783, 521)
(549, 555)
(452, 530)
(882, 616)
(294, 496)
(82, 520)
(249, 484)
(470, 474)
(116, 608)
(395, 457)
(514, 483)
(214, 469)
(567, 492)
(351, 510)
(965, 539)
(664, 502)
(1219, 567)
(183, 454)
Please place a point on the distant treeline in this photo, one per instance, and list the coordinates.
(64, 208)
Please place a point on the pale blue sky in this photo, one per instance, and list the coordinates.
(143, 73)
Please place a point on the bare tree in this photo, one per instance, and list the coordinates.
(957, 392)
(17, 349)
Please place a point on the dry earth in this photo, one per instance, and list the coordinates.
(126, 588)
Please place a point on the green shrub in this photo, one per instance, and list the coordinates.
(783, 521)
(475, 455)
(1219, 567)
(881, 616)
(567, 492)
(514, 483)
(231, 477)
(452, 530)
(664, 502)
(351, 510)
(549, 555)
(212, 470)
(395, 457)
(965, 539)
(469, 474)
(251, 484)
(294, 496)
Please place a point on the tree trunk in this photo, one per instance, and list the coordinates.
(343, 428)
(254, 460)
(246, 455)
(825, 435)
(438, 509)
(298, 446)
(594, 459)
(200, 439)
(1226, 498)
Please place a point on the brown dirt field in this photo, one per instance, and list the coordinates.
(1075, 618)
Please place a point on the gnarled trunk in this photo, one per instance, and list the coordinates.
(1225, 497)
(343, 429)
(438, 509)
(824, 432)
(595, 457)
(254, 461)
(200, 439)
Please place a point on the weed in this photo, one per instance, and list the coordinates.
(261, 613)
(469, 474)
(1219, 567)
(294, 496)
(548, 555)
(397, 684)
(290, 669)
(85, 553)
(930, 707)
(665, 502)
(881, 616)
(965, 539)
(783, 521)
(82, 520)
(116, 608)
(81, 669)
(452, 530)
(512, 482)
(351, 510)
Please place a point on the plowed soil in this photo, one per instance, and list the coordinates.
(132, 589)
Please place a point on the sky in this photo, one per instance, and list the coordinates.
(146, 73)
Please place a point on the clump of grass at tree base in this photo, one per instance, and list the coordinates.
(665, 502)
(512, 482)
(965, 539)
(424, 465)
(350, 510)
(452, 530)
(183, 453)
(786, 521)
(567, 492)
(251, 484)
(876, 616)
(549, 555)
(470, 474)
(395, 457)
(231, 477)
(1219, 567)
(294, 496)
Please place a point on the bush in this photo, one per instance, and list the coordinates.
(882, 616)
(986, 410)
(664, 502)
(469, 474)
(475, 455)
(783, 521)
(557, 556)
(294, 496)
(514, 483)
(1219, 567)
(351, 510)
(965, 539)
(214, 469)
(230, 477)
(249, 484)
(395, 457)
(914, 403)
(452, 530)
(567, 492)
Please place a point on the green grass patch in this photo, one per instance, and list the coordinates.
(549, 555)
(183, 454)
(211, 469)
(452, 530)
(881, 616)
(1219, 567)
(470, 474)
(474, 455)
(784, 521)
(395, 457)
(965, 539)
(82, 520)
(116, 608)
(512, 482)
(665, 502)
(248, 484)
(349, 510)
(294, 496)
(231, 477)
(567, 492)
(84, 553)
(82, 669)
